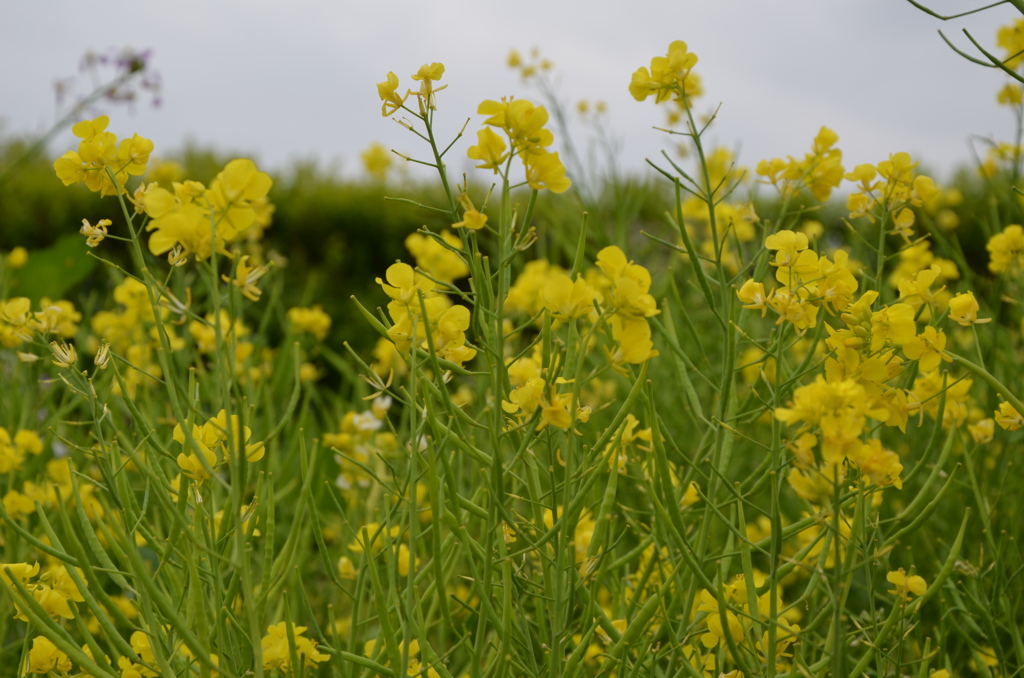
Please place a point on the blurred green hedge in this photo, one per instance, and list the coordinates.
(338, 235)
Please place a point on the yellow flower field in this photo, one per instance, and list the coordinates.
(773, 434)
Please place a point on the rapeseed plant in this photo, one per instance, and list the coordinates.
(566, 456)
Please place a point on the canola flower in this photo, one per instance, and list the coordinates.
(102, 164)
(193, 220)
(523, 124)
(557, 459)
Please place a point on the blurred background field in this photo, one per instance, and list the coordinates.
(337, 233)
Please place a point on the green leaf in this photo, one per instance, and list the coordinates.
(54, 271)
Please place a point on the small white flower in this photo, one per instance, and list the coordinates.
(366, 422)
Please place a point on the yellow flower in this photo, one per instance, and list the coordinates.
(1008, 417)
(555, 411)
(633, 335)
(1006, 250)
(895, 323)
(98, 153)
(566, 299)
(17, 257)
(64, 355)
(277, 650)
(346, 570)
(426, 76)
(131, 670)
(199, 220)
(388, 92)
(983, 431)
(436, 259)
(903, 223)
(377, 160)
(881, 466)
(190, 463)
(792, 307)
(491, 150)
(448, 332)
(234, 192)
(1010, 95)
(692, 494)
(1010, 39)
(405, 561)
(788, 244)
(546, 171)
(471, 218)
(716, 631)
(55, 599)
(904, 585)
(23, 571)
(670, 77)
(927, 348)
(27, 441)
(522, 120)
(133, 154)
(526, 398)
(247, 277)
(312, 320)
(45, 657)
(752, 296)
(87, 129)
(963, 309)
(630, 284)
(917, 290)
(403, 284)
(819, 171)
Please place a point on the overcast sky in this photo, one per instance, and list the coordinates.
(284, 80)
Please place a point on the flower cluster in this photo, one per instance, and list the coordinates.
(277, 649)
(54, 590)
(1010, 39)
(377, 161)
(735, 223)
(808, 282)
(554, 405)
(45, 657)
(130, 331)
(629, 300)
(311, 320)
(1006, 251)
(193, 220)
(444, 325)
(359, 439)
(20, 324)
(892, 188)
(834, 414)
(819, 171)
(392, 100)
(670, 77)
(438, 255)
(738, 617)
(212, 440)
(102, 164)
(523, 123)
(530, 66)
(14, 448)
